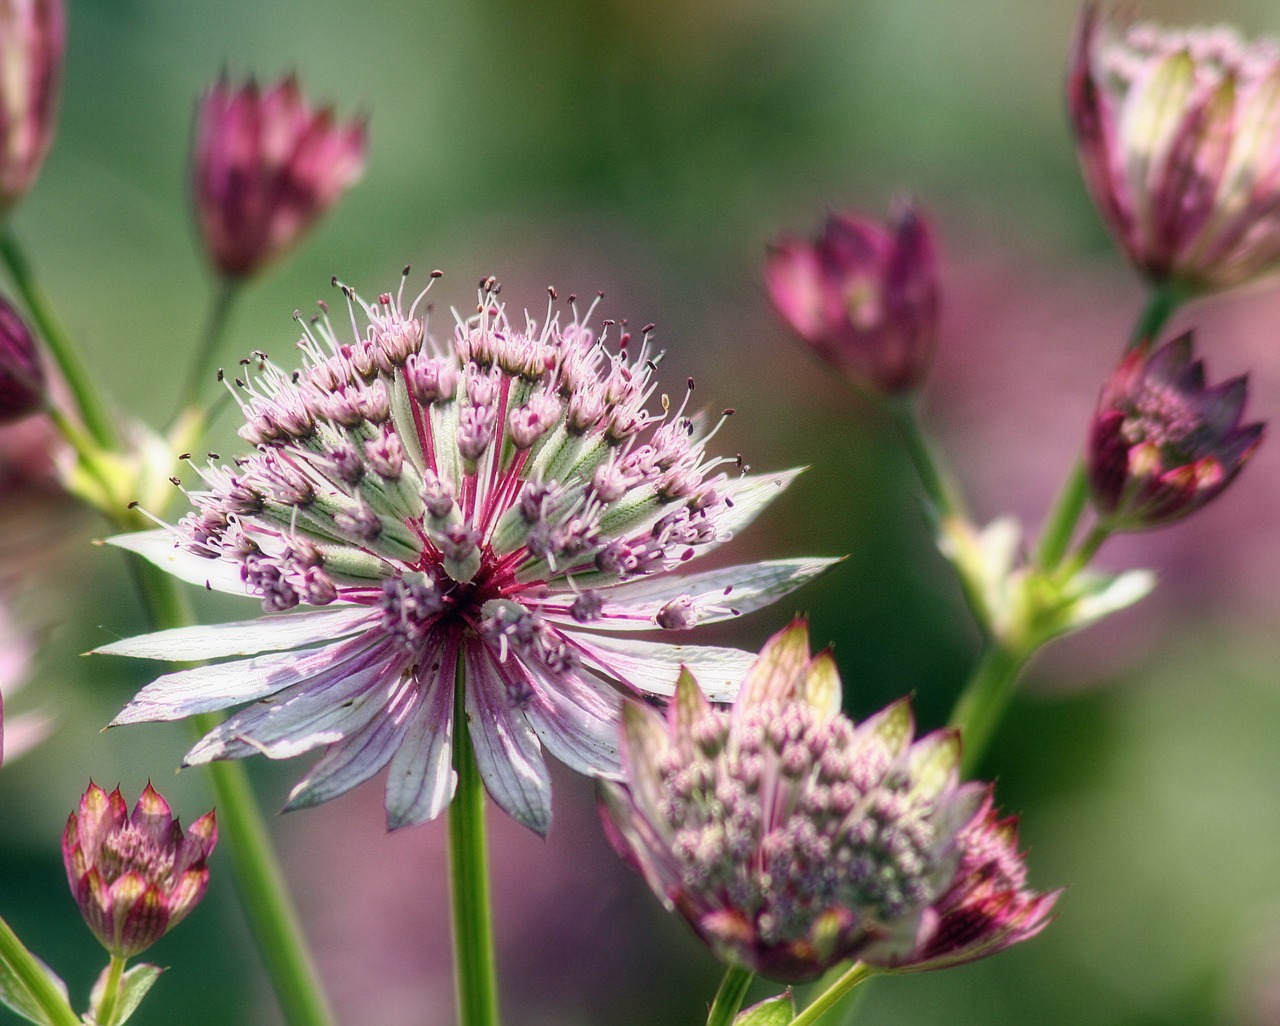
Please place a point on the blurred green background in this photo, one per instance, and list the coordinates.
(649, 150)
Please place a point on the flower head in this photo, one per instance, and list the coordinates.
(21, 374)
(1179, 137)
(32, 40)
(1162, 442)
(476, 511)
(266, 166)
(791, 838)
(863, 296)
(134, 876)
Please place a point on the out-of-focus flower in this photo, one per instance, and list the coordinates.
(266, 166)
(1179, 137)
(792, 839)
(17, 733)
(21, 374)
(863, 296)
(1162, 442)
(32, 40)
(134, 876)
(478, 511)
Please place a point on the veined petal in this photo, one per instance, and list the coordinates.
(576, 717)
(421, 780)
(245, 637)
(653, 666)
(748, 496)
(160, 547)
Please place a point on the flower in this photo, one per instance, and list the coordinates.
(791, 838)
(21, 375)
(266, 166)
(1162, 443)
(479, 510)
(32, 40)
(864, 297)
(1179, 138)
(134, 876)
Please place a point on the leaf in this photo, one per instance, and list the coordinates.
(15, 995)
(134, 985)
(774, 1011)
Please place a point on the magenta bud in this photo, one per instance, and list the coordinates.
(863, 296)
(32, 41)
(22, 385)
(1162, 442)
(266, 167)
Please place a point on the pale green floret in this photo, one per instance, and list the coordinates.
(402, 420)
(351, 565)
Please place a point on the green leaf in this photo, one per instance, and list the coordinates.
(134, 985)
(15, 995)
(774, 1011)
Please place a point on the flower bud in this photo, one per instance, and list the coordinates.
(1162, 442)
(1179, 137)
(21, 375)
(266, 166)
(32, 41)
(863, 296)
(134, 876)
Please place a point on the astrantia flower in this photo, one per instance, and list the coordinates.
(21, 374)
(266, 167)
(479, 510)
(134, 876)
(1179, 137)
(792, 839)
(1162, 442)
(32, 41)
(863, 296)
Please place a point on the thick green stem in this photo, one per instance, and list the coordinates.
(937, 483)
(476, 984)
(106, 1010)
(88, 400)
(733, 989)
(984, 699)
(830, 997)
(32, 977)
(264, 893)
(1161, 303)
(224, 297)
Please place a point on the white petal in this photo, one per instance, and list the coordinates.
(749, 494)
(653, 666)
(160, 547)
(245, 637)
(578, 718)
(421, 781)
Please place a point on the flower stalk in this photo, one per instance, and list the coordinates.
(985, 699)
(105, 1013)
(828, 999)
(729, 997)
(226, 291)
(32, 976)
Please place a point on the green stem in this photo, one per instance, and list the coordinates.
(937, 483)
(830, 997)
(89, 402)
(34, 980)
(1161, 303)
(984, 699)
(1085, 553)
(475, 976)
(264, 893)
(105, 1013)
(224, 297)
(733, 989)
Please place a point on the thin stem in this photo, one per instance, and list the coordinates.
(829, 998)
(475, 976)
(1087, 550)
(89, 402)
(264, 893)
(34, 980)
(1161, 303)
(984, 700)
(224, 297)
(934, 478)
(105, 1013)
(733, 989)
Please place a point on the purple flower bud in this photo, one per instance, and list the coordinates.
(21, 375)
(863, 296)
(32, 41)
(134, 876)
(266, 166)
(1162, 442)
(1180, 145)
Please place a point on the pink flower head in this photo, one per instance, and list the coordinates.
(135, 877)
(266, 166)
(863, 296)
(1162, 442)
(791, 838)
(1179, 137)
(476, 514)
(21, 374)
(32, 41)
